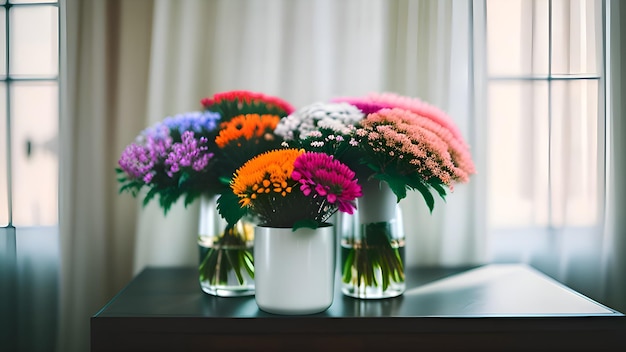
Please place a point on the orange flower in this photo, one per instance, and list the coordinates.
(267, 174)
(247, 127)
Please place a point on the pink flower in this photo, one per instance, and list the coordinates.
(411, 143)
(320, 175)
(418, 107)
(439, 120)
(364, 104)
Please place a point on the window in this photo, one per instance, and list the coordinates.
(29, 61)
(546, 114)
(29, 68)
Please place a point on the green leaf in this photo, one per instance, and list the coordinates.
(439, 188)
(249, 263)
(228, 207)
(428, 197)
(189, 198)
(151, 193)
(306, 223)
(347, 267)
(183, 178)
(397, 184)
(224, 180)
(372, 166)
(234, 263)
(126, 187)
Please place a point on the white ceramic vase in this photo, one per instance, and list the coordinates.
(294, 270)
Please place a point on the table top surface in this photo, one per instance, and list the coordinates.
(495, 290)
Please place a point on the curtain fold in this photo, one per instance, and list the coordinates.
(428, 50)
(614, 270)
(104, 50)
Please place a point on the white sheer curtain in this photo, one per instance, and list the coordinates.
(305, 51)
(429, 55)
(550, 144)
(105, 48)
(614, 242)
(131, 63)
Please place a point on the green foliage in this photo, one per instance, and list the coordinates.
(228, 207)
(374, 253)
(229, 253)
(399, 184)
(231, 108)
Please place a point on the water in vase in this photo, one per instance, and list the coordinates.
(226, 270)
(372, 271)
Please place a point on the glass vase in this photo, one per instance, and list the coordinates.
(226, 267)
(372, 245)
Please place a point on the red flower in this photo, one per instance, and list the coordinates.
(244, 97)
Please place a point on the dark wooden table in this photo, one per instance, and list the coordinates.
(492, 307)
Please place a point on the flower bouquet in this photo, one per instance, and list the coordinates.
(406, 144)
(172, 159)
(394, 144)
(195, 155)
(291, 194)
(291, 188)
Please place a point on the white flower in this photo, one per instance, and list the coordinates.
(339, 117)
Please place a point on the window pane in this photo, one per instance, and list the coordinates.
(518, 160)
(576, 36)
(544, 171)
(574, 153)
(3, 43)
(4, 211)
(517, 37)
(34, 130)
(34, 41)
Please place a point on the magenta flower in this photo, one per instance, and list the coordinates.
(320, 175)
(366, 105)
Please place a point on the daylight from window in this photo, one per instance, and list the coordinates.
(545, 113)
(29, 113)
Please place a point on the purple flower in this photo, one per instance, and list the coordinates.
(189, 153)
(196, 121)
(138, 160)
(322, 175)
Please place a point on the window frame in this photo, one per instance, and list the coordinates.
(9, 81)
(550, 78)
